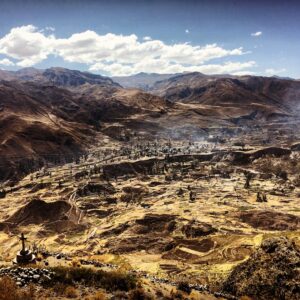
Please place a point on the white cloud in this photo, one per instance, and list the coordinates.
(256, 34)
(50, 28)
(272, 71)
(242, 73)
(27, 45)
(187, 31)
(161, 66)
(6, 62)
(117, 54)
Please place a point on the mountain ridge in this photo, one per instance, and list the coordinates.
(41, 114)
(58, 76)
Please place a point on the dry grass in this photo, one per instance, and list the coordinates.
(139, 294)
(111, 281)
(98, 296)
(64, 290)
(70, 292)
(10, 291)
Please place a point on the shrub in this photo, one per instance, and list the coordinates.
(111, 281)
(177, 295)
(75, 263)
(70, 292)
(184, 286)
(59, 289)
(98, 296)
(119, 295)
(296, 181)
(10, 291)
(282, 174)
(139, 294)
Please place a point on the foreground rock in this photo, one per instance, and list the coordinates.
(270, 273)
(24, 276)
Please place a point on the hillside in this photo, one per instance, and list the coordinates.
(177, 188)
(42, 122)
(58, 76)
(230, 90)
(45, 114)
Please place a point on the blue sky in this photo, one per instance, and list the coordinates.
(126, 37)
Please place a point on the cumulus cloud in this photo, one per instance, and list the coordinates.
(156, 66)
(243, 73)
(27, 45)
(256, 34)
(6, 62)
(272, 71)
(117, 54)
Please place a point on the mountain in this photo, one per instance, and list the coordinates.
(73, 78)
(36, 123)
(54, 114)
(58, 76)
(28, 74)
(41, 122)
(141, 80)
(7, 75)
(237, 91)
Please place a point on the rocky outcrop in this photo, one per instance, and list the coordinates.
(155, 224)
(272, 272)
(24, 276)
(95, 188)
(195, 229)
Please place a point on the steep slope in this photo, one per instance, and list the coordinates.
(58, 112)
(39, 123)
(73, 78)
(272, 272)
(231, 91)
(45, 122)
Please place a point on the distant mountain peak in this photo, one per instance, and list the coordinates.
(59, 76)
(141, 80)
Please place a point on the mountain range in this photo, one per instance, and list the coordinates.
(61, 112)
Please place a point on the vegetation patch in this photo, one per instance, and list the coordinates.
(110, 281)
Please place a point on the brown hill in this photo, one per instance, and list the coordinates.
(58, 216)
(73, 78)
(43, 122)
(47, 114)
(39, 121)
(40, 212)
(282, 94)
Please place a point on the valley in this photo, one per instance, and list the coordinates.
(169, 183)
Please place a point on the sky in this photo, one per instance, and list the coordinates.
(119, 38)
